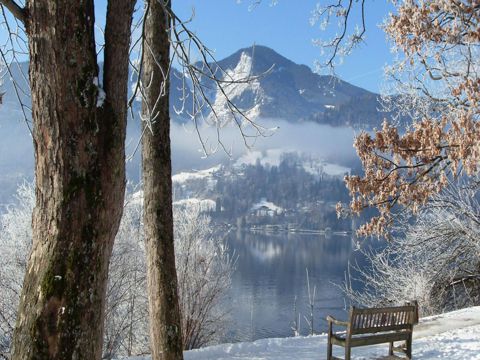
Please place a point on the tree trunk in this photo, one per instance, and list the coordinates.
(80, 176)
(165, 330)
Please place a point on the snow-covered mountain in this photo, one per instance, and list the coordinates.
(280, 88)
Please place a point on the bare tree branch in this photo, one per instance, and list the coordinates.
(201, 75)
(342, 44)
(12, 50)
(15, 9)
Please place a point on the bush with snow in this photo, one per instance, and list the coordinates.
(204, 271)
(434, 259)
(15, 244)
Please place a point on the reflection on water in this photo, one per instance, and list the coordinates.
(271, 272)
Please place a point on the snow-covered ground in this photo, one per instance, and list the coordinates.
(450, 336)
(197, 175)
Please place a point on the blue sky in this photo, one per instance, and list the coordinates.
(227, 25)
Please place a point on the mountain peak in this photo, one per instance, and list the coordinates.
(263, 59)
(283, 89)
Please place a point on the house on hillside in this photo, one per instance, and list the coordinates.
(265, 208)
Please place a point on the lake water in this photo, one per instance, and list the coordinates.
(271, 272)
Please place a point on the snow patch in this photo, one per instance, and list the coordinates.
(136, 198)
(233, 91)
(183, 177)
(100, 93)
(270, 157)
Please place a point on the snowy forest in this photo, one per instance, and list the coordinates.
(162, 200)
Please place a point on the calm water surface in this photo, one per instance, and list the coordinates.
(271, 272)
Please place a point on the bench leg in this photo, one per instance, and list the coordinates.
(329, 349)
(329, 344)
(409, 347)
(347, 352)
(390, 349)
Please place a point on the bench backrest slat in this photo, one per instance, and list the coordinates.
(382, 319)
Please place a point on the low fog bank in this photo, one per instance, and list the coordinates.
(333, 144)
(322, 141)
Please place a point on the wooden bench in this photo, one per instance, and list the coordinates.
(374, 326)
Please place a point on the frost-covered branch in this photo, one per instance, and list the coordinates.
(205, 271)
(433, 259)
(202, 81)
(12, 51)
(346, 39)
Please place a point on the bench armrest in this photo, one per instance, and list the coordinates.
(331, 319)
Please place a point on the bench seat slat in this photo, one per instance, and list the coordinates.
(382, 328)
(371, 339)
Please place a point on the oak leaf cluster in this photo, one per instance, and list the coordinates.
(407, 166)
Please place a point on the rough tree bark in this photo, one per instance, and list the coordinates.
(80, 176)
(165, 330)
